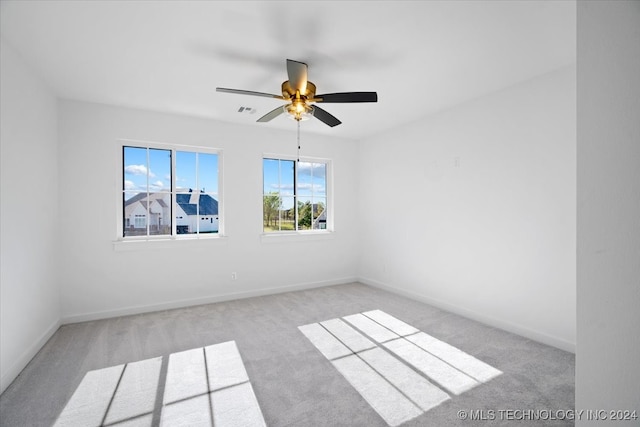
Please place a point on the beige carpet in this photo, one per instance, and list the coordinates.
(294, 383)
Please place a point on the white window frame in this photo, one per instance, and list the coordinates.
(329, 196)
(120, 238)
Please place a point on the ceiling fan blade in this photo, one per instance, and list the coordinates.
(344, 97)
(271, 114)
(297, 72)
(247, 92)
(324, 116)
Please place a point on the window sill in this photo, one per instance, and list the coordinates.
(169, 242)
(296, 236)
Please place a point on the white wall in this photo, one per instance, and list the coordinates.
(98, 281)
(473, 209)
(29, 292)
(607, 367)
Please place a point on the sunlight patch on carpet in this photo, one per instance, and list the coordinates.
(119, 395)
(371, 328)
(222, 394)
(466, 363)
(436, 369)
(384, 398)
(326, 343)
(407, 374)
(136, 392)
(391, 323)
(203, 386)
(186, 376)
(236, 407)
(224, 366)
(355, 341)
(414, 386)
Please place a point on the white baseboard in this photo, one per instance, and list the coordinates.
(12, 373)
(488, 320)
(85, 317)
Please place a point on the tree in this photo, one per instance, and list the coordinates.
(304, 215)
(270, 208)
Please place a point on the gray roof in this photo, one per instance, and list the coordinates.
(208, 205)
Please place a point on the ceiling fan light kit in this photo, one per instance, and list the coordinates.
(300, 93)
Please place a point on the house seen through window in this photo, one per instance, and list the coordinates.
(294, 195)
(169, 192)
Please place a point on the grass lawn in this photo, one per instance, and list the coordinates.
(285, 225)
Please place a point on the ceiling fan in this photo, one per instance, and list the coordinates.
(300, 93)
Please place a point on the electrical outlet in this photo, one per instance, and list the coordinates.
(234, 275)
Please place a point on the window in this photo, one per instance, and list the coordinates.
(168, 191)
(294, 195)
(196, 192)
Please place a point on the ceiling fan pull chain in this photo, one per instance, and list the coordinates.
(298, 140)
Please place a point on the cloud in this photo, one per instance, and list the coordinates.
(138, 170)
(153, 186)
(317, 188)
(317, 169)
(158, 185)
(282, 186)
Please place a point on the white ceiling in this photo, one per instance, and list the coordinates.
(421, 57)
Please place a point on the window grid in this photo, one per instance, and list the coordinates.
(314, 201)
(155, 223)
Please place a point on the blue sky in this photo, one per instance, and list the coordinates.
(193, 170)
(200, 171)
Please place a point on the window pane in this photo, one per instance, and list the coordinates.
(304, 182)
(287, 214)
(208, 184)
(271, 176)
(196, 213)
(134, 215)
(311, 213)
(196, 173)
(287, 171)
(271, 211)
(146, 190)
(311, 179)
(159, 213)
(185, 171)
(278, 176)
(319, 171)
(319, 214)
(304, 213)
(208, 173)
(187, 213)
(159, 170)
(134, 169)
(208, 214)
(278, 186)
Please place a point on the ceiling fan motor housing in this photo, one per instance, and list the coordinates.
(289, 92)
